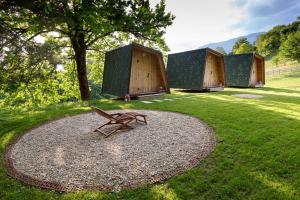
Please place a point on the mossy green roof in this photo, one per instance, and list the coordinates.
(238, 69)
(117, 71)
(186, 69)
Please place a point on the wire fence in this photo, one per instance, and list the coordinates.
(282, 70)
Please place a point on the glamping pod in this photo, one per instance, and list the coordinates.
(245, 70)
(200, 69)
(134, 70)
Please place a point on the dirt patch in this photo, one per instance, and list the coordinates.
(248, 96)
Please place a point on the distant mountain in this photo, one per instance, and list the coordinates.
(228, 44)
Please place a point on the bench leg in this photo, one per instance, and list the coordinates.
(144, 119)
(123, 125)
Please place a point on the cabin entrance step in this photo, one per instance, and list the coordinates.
(152, 95)
(215, 89)
(258, 85)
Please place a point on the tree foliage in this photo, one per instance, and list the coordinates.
(268, 44)
(242, 46)
(83, 23)
(290, 49)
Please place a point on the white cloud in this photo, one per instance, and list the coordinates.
(199, 22)
(262, 15)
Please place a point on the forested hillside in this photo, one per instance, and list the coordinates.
(279, 46)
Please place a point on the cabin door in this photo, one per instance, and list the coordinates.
(145, 75)
(254, 73)
(212, 73)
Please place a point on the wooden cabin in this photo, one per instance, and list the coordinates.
(200, 69)
(245, 70)
(135, 70)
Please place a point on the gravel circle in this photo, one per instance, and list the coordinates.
(66, 155)
(248, 96)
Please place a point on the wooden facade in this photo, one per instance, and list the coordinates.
(258, 72)
(146, 71)
(201, 69)
(214, 75)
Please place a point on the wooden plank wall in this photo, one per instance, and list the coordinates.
(214, 74)
(162, 73)
(257, 73)
(253, 80)
(221, 71)
(145, 73)
(260, 70)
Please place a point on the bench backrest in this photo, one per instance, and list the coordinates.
(102, 113)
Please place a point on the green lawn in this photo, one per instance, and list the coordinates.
(257, 156)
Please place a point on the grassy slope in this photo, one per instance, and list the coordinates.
(258, 155)
(270, 64)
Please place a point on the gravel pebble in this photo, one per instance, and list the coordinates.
(67, 151)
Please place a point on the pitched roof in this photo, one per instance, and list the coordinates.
(136, 45)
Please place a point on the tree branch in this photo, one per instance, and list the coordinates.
(94, 49)
(92, 41)
(62, 31)
(36, 34)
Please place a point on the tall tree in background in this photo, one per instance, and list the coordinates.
(84, 22)
(290, 49)
(268, 43)
(242, 46)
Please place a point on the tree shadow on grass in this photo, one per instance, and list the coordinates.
(16, 122)
(275, 95)
(257, 159)
(253, 141)
(279, 90)
(190, 91)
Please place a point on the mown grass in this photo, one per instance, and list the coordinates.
(257, 156)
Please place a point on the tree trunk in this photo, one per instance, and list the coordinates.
(79, 47)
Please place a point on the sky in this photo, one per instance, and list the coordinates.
(199, 22)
